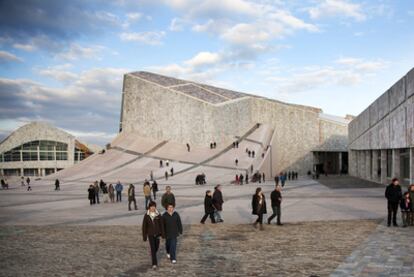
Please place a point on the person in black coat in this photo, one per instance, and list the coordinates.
(91, 194)
(259, 207)
(172, 229)
(218, 203)
(276, 198)
(152, 230)
(208, 208)
(154, 189)
(57, 185)
(393, 194)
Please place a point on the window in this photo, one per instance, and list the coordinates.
(389, 163)
(405, 163)
(49, 171)
(31, 172)
(61, 156)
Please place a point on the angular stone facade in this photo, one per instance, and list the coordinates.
(165, 108)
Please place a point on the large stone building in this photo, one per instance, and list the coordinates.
(39, 149)
(164, 108)
(381, 138)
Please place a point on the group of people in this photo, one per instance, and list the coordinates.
(259, 206)
(396, 199)
(213, 145)
(108, 192)
(213, 206)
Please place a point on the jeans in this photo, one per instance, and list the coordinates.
(119, 196)
(154, 243)
(405, 218)
(97, 197)
(217, 214)
(276, 212)
(155, 194)
(171, 247)
(211, 217)
(392, 211)
(147, 200)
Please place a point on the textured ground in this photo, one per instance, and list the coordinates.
(300, 249)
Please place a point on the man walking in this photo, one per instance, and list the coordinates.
(393, 194)
(57, 184)
(147, 194)
(119, 187)
(131, 197)
(276, 198)
(168, 198)
(218, 203)
(172, 229)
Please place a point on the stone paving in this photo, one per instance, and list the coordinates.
(388, 251)
(301, 249)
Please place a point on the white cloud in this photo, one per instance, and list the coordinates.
(330, 8)
(344, 72)
(25, 47)
(9, 57)
(60, 73)
(76, 52)
(150, 37)
(203, 58)
(177, 24)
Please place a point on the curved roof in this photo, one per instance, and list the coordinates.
(34, 131)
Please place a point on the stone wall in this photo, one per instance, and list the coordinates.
(154, 111)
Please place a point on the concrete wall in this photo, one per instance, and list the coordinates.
(388, 123)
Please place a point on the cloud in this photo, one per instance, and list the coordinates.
(6, 57)
(59, 73)
(348, 71)
(203, 58)
(24, 47)
(177, 24)
(76, 52)
(89, 103)
(331, 8)
(150, 37)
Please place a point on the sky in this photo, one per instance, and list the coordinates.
(63, 62)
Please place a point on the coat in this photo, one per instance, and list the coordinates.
(405, 207)
(151, 227)
(131, 193)
(218, 200)
(147, 190)
(91, 193)
(276, 197)
(256, 207)
(167, 199)
(208, 204)
(171, 225)
(393, 193)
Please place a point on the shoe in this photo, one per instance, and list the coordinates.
(202, 222)
(154, 267)
(174, 261)
(268, 222)
(395, 225)
(280, 224)
(388, 225)
(168, 256)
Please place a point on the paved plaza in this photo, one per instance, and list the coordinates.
(329, 229)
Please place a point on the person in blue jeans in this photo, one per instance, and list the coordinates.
(172, 228)
(118, 188)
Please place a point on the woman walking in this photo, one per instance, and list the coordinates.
(91, 194)
(152, 230)
(111, 191)
(208, 208)
(259, 207)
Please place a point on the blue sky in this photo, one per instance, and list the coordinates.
(63, 61)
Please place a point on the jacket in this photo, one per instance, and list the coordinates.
(276, 198)
(131, 192)
(119, 187)
(393, 193)
(171, 225)
(405, 207)
(256, 207)
(167, 199)
(218, 200)
(151, 227)
(208, 204)
(91, 193)
(147, 190)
